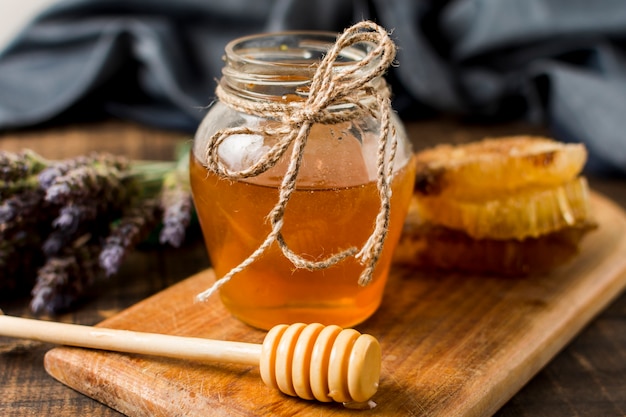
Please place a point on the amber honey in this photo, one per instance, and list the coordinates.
(319, 221)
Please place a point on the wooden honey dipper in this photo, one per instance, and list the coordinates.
(326, 363)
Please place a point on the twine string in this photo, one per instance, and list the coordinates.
(334, 97)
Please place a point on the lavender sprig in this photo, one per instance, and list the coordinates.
(132, 228)
(20, 208)
(18, 172)
(53, 276)
(176, 217)
(73, 215)
(63, 280)
(177, 205)
(22, 223)
(84, 183)
(176, 200)
(91, 196)
(81, 217)
(15, 166)
(48, 175)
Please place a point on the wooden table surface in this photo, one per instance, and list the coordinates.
(588, 378)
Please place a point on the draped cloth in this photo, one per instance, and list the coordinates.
(561, 63)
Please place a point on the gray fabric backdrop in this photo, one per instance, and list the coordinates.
(557, 62)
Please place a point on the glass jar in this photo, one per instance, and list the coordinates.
(335, 202)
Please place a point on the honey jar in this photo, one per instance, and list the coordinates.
(294, 181)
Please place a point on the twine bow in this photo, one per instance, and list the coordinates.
(330, 90)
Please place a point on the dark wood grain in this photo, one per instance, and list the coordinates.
(588, 378)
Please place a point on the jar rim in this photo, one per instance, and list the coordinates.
(282, 65)
(299, 49)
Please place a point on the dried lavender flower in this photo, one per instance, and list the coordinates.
(55, 243)
(48, 176)
(176, 217)
(176, 200)
(25, 214)
(121, 163)
(62, 280)
(77, 219)
(132, 228)
(23, 220)
(73, 215)
(19, 207)
(14, 166)
(52, 277)
(18, 172)
(83, 183)
(177, 204)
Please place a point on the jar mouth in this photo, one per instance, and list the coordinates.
(293, 49)
(281, 65)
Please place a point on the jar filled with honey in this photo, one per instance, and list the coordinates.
(301, 177)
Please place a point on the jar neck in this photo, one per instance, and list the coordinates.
(281, 66)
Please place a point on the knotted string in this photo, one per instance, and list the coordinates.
(328, 88)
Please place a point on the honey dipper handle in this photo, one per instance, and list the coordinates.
(192, 348)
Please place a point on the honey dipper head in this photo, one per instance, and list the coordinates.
(319, 362)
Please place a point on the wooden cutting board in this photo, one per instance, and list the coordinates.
(453, 345)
